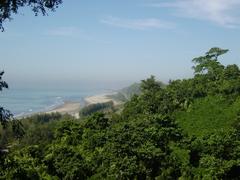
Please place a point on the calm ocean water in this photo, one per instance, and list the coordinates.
(27, 101)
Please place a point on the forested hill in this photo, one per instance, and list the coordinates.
(189, 129)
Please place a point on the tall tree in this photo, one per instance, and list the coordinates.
(209, 63)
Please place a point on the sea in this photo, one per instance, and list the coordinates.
(24, 102)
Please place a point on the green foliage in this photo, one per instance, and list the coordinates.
(140, 147)
(216, 156)
(151, 85)
(207, 115)
(39, 129)
(209, 63)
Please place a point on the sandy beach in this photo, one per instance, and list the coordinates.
(71, 108)
(100, 98)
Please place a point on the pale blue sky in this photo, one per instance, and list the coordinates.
(112, 43)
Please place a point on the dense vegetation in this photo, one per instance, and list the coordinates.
(189, 129)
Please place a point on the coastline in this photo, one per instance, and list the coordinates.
(73, 107)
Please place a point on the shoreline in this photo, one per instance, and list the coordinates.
(73, 107)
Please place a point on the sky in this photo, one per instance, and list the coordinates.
(113, 43)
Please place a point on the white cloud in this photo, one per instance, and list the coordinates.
(139, 24)
(221, 12)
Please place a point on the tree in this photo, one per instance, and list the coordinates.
(151, 84)
(9, 7)
(209, 64)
